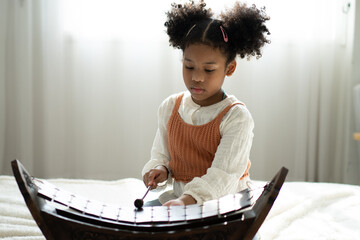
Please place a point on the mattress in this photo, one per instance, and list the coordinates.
(303, 210)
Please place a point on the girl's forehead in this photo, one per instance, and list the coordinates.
(203, 53)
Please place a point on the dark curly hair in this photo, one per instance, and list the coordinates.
(240, 30)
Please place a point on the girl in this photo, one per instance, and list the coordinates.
(204, 136)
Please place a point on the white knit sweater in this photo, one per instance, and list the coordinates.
(232, 155)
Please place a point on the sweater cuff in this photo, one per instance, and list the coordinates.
(152, 164)
(168, 179)
(197, 198)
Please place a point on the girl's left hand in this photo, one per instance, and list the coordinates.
(183, 200)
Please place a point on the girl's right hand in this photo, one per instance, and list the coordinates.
(155, 176)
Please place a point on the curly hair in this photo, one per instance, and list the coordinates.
(238, 31)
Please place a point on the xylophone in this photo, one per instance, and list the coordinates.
(64, 215)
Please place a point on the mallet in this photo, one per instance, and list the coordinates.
(140, 202)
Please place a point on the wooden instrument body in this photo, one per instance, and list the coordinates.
(58, 221)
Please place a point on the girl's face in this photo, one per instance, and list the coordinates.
(204, 71)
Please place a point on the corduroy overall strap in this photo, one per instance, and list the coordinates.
(217, 119)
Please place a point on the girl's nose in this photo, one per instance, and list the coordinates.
(197, 77)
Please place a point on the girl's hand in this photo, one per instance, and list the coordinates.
(155, 176)
(183, 200)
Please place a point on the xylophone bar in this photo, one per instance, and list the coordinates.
(213, 208)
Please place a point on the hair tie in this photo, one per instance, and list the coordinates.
(225, 36)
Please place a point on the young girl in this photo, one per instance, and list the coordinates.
(204, 136)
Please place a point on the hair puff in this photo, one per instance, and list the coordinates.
(246, 29)
(182, 17)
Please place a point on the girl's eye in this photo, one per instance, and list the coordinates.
(209, 70)
(190, 68)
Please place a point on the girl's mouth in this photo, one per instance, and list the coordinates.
(197, 90)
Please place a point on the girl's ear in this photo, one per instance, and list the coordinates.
(231, 68)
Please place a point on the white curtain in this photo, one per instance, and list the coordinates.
(81, 82)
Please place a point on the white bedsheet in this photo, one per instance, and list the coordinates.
(301, 211)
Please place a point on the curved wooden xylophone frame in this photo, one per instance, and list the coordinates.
(58, 221)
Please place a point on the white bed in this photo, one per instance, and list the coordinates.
(302, 210)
